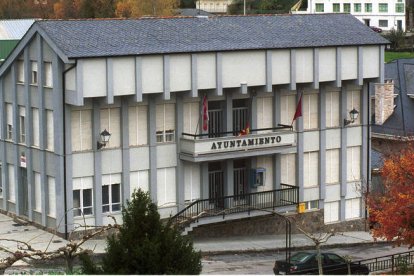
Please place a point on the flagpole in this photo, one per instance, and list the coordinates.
(298, 112)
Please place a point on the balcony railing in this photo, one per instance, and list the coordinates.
(195, 146)
(287, 195)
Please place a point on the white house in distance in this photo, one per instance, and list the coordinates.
(387, 15)
(150, 83)
(213, 6)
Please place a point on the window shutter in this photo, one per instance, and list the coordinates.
(115, 127)
(12, 184)
(265, 113)
(191, 182)
(9, 110)
(50, 130)
(288, 169)
(159, 117)
(76, 130)
(354, 160)
(332, 166)
(20, 68)
(288, 108)
(331, 212)
(310, 111)
(52, 196)
(191, 117)
(352, 208)
(170, 186)
(38, 192)
(161, 189)
(353, 101)
(48, 74)
(169, 116)
(133, 125)
(86, 129)
(36, 128)
(80, 183)
(310, 169)
(137, 125)
(142, 125)
(139, 180)
(334, 115)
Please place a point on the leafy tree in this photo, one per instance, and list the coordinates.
(392, 208)
(137, 8)
(144, 245)
(188, 4)
(396, 37)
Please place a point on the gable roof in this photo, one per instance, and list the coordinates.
(97, 38)
(401, 122)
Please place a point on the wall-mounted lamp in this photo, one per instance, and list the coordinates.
(105, 135)
(353, 114)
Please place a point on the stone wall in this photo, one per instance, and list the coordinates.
(270, 225)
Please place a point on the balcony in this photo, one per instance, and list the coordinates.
(201, 147)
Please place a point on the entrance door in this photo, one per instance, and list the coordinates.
(240, 178)
(216, 184)
(24, 205)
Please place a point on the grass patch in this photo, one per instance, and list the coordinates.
(390, 56)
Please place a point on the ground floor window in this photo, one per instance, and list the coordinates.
(383, 23)
(352, 208)
(331, 211)
(82, 202)
(312, 205)
(111, 198)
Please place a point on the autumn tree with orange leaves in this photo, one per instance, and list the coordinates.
(392, 208)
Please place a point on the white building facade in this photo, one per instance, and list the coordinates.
(213, 6)
(59, 92)
(387, 15)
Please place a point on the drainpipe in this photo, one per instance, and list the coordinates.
(64, 146)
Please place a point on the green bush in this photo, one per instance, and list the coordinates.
(144, 245)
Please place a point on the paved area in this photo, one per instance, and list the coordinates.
(43, 240)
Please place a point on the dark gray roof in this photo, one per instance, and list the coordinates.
(94, 38)
(401, 122)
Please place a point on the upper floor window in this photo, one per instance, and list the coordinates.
(353, 101)
(383, 7)
(81, 122)
(20, 71)
(310, 169)
(22, 125)
(368, 7)
(357, 7)
(34, 75)
(310, 111)
(383, 23)
(347, 7)
(332, 109)
(399, 7)
(111, 121)
(48, 82)
(319, 7)
(50, 142)
(137, 121)
(287, 109)
(36, 127)
(9, 119)
(336, 7)
(165, 122)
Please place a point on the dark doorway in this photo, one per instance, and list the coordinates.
(216, 184)
(367, 22)
(399, 25)
(24, 197)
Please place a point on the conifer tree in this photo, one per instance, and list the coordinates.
(145, 245)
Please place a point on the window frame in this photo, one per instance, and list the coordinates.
(34, 73)
(399, 8)
(382, 7)
(357, 7)
(22, 125)
(111, 206)
(368, 7)
(319, 7)
(165, 135)
(347, 7)
(336, 7)
(81, 209)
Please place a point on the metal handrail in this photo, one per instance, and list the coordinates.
(388, 261)
(218, 134)
(287, 195)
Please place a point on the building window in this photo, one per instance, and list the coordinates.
(353, 101)
(20, 71)
(312, 205)
(319, 7)
(310, 169)
(264, 109)
(166, 190)
(36, 127)
(22, 125)
(48, 74)
(165, 122)
(191, 182)
(383, 23)
(34, 75)
(368, 7)
(50, 142)
(9, 115)
(399, 7)
(81, 122)
(138, 180)
(336, 7)
(11, 184)
(82, 196)
(51, 189)
(354, 164)
(310, 111)
(331, 212)
(111, 121)
(288, 169)
(332, 109)
(111, 193)
(332, 166)
(37, 193)
(192, 115)
(383, 7)
(287, 109)
(357, 7)
(137, 120)
(353, 208)
(347, 7)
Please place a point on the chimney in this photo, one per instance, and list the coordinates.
(384, 101)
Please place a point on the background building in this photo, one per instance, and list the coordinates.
(213, 6)
(11, 31)
(384, 14)
(151, 83)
